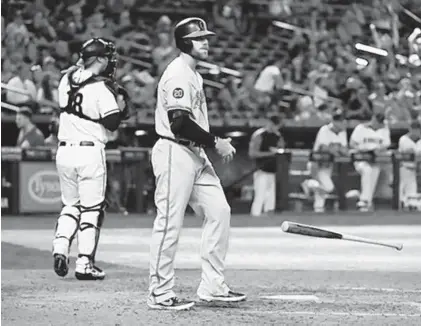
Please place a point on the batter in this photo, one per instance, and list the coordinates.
(185, 176)
(88, 102)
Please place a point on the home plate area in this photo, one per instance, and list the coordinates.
(289, 280)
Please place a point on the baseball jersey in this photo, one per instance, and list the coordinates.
(326, 136)
(408, 145)
(180, 88)
(366, 138)
(94, 100)
(267, 140)
(266, 81)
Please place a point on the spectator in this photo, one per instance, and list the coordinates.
(23, 83)
(359, 106)
(77, 25)
(350, 27)
(228, 95)
(17, 28)
(37, 76)
(52, 139)
(29, 134)
(270, 79)
(41, 29)
(164, 53)
(48, 92)
(247, 99)
(379, 98)
(227, 14)
(164, 25)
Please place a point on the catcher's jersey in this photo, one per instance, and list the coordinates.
(408, 145)
(180, 87)
(366, 138)
(326, 136)
(94, 100)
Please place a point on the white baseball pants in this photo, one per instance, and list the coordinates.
(264, 185)
(371, 179)
(83, 177)
(324, 176)
(407, 183)
(185, 176)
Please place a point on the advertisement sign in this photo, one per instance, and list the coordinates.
(39, 188)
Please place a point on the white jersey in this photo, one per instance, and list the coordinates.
(94, 100)
(266, 81)
(327, 136)
(180, 87)
(408, 145)
(365, 138)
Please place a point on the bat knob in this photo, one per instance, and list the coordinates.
(285, 226)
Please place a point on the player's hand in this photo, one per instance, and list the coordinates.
(225, 149)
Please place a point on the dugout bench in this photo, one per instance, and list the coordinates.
(342, 168)
(30, 181)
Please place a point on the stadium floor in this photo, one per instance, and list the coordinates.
(289, 279)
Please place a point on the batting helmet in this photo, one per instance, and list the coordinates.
(188, 29)
(100, 47)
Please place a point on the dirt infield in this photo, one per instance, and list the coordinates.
(33, 295)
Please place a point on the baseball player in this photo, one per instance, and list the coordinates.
(88, 101)
(185, 176)
(372, 138)
(263, 142)
(409, 143)
(331, 138)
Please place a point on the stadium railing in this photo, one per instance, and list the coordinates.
(30, 182)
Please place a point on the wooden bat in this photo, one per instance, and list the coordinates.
(311, 231)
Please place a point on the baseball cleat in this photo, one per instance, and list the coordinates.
(89, 273)
(61, 265)
(364, 206)
(319, 209)
(230, 297)
(170, 304)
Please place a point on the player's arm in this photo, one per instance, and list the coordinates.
(404, 145)
(320, 144)
(254, 146)
(111, 113)
(355, 141)
(183, 126)
(179, 110)
(386, 142)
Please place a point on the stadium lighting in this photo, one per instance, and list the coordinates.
(361, 62)
(236, 134)
(140, 133)
(371, 49)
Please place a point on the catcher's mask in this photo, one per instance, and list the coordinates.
(101, 47)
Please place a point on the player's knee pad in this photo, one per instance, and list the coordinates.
(71, 211)
(68, 222)
(93, 216)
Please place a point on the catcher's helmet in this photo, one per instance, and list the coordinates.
(187, 29)
(100, 47)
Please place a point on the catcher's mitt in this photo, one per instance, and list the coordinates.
(118, 91)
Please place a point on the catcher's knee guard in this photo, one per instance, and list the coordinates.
(66, 228)
(91, 221)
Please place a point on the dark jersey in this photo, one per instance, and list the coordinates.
(34, 137)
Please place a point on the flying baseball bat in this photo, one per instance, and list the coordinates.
(311, 231)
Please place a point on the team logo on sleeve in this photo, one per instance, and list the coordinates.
(178, 93)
